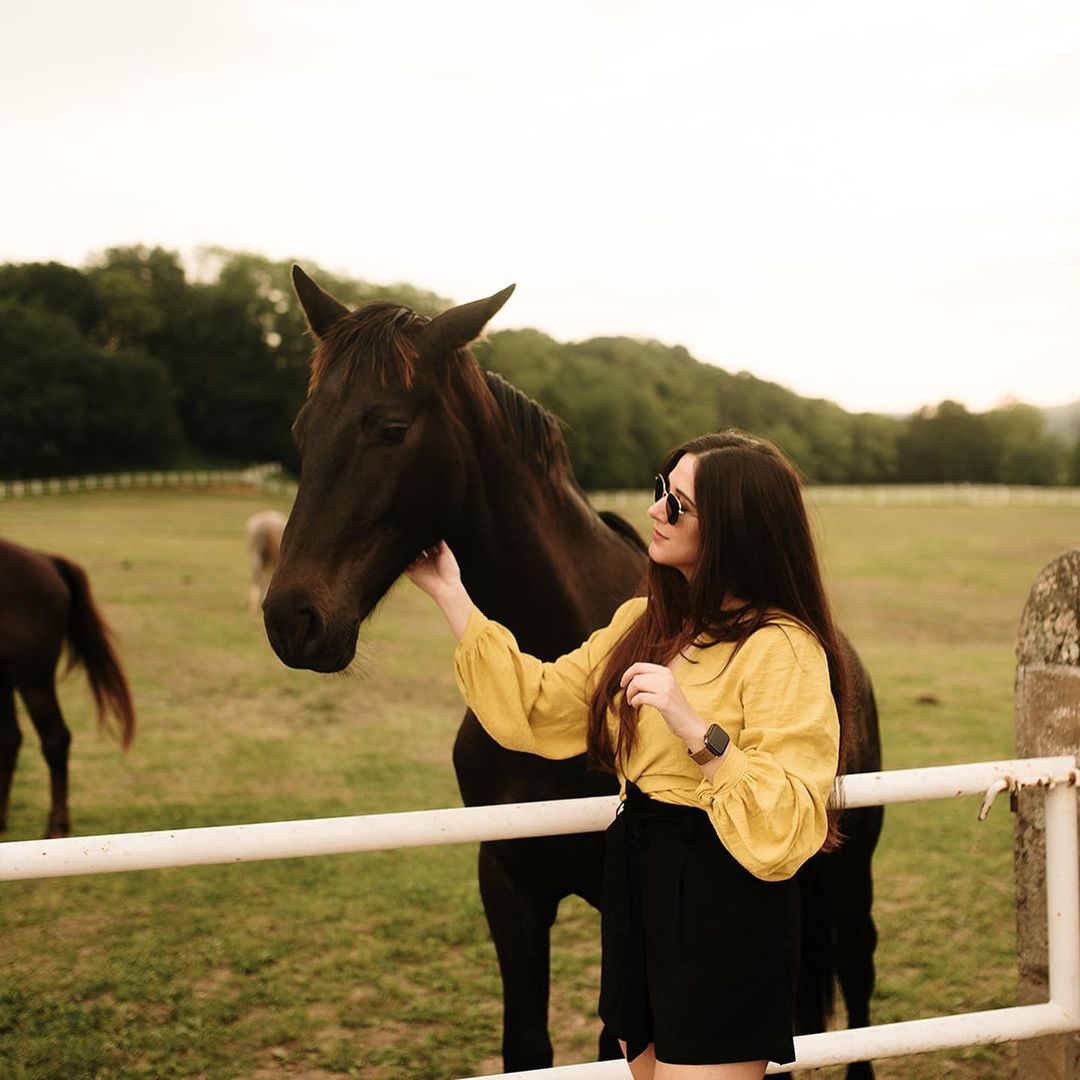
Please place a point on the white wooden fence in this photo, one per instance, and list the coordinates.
(892, 495)
(269, 478)
(942, 495)
(1055, 776)
(252, 476)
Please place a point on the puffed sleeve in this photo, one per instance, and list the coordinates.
(524, 703)
(767, 800)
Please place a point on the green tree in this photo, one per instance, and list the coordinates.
(1074, 462)
(874, 449)
(667, 397)
(139, 290)
(66, 407)
(53, 287)
(1026, 452)
(946, 444)
(227, 351)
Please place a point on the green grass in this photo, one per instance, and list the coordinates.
(379, 965)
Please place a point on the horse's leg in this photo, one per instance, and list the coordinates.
(10, 738)
(851, 893)
(520, 920)
(44, 710)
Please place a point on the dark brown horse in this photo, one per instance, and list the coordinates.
(404, 441)
(45, 602)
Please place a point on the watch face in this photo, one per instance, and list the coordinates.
(716, 739)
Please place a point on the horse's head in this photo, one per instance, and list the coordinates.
(382, 469)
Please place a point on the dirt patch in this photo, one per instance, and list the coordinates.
(276, 1067)
(211, 983)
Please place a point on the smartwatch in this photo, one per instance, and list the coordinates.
(716, 742)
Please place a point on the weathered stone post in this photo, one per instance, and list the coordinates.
(1047, 723)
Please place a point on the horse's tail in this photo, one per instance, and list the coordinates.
(89, 643)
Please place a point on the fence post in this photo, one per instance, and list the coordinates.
(1047, 713)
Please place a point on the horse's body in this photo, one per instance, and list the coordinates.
(45, 601)
(404, 441)
(263, 534)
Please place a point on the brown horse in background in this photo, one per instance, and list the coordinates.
(45, 601)
(404, 441)
(263, 531)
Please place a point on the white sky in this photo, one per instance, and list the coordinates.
(874, 203)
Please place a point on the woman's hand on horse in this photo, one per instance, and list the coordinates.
(655, 685)
(435, 570)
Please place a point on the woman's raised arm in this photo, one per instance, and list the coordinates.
(436, 572)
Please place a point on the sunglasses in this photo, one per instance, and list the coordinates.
(675, 509)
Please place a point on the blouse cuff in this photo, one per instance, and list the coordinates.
(731, 769)
(474, 629)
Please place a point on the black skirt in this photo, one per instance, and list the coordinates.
(699, 956)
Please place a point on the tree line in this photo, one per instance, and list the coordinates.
(130, 362)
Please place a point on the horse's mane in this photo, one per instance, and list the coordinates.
(537, 432)
(539, 436)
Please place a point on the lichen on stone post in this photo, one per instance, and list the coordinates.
(1047, 714)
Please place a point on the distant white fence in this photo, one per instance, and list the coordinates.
(269, 478)
(942, 495)
(1055, 776)
(260, 476)
(892, 495)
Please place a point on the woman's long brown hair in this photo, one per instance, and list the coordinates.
(756, 545)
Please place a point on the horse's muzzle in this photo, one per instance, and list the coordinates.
(302, 637)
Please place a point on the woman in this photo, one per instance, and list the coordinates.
(719, 700)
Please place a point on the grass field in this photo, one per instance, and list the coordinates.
(379, 965)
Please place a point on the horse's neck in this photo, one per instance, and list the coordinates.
(537, 558)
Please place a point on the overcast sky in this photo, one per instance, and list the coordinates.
(873, 203)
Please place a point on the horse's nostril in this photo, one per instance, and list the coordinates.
(308, 626)
(293, 624)
(305, 636)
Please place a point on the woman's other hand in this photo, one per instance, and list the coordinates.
(655, 685)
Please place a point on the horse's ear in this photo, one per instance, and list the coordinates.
(321, 309)
(454, 329)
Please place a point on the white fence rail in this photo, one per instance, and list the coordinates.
(893, 495)
(268, 478)
(287, 839)
(942, 495)
(262, 476)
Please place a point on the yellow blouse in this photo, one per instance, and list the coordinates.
(767, 800)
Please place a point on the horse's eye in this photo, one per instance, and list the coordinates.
(394, 434)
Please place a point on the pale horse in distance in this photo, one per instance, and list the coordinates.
(264, 531)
